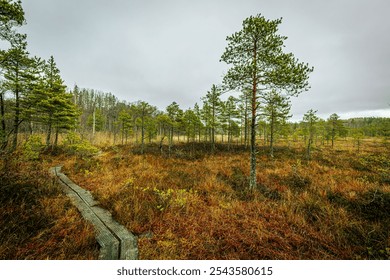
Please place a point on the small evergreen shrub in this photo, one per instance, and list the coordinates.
(33, 147)
(75, 145)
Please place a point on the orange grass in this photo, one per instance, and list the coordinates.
(37, 221)
(198, 207)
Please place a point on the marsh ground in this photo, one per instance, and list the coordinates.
(192, 204)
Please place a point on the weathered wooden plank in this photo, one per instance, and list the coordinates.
(115, 240)
(106, 239)
(128, 242)
(85, 195)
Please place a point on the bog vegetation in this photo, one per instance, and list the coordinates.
(229, 178)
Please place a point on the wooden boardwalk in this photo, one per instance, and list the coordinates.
(116, 242)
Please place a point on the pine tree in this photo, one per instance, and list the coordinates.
(198, 114)
(175, 114)
(310, 120)
(229, 114)
(212, 102)
(16, 65)
(11, 16)
(165, 124)
(126, 124)
(276, 111)
(258, 62)
(335, 126)
(191, 123)
(51, 104)
(144, 112)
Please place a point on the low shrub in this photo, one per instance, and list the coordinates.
(33, 147)
(75, 145)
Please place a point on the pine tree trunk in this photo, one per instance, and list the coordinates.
(308, 149)
(3, 126)
(93, 123)
(252, 176)
(142, 135)
(16, 121)
(136, 133)
(271, 143)
(332, 141)
(56, 138)
(246, 123)
(123, 132)
(161, 144)
(170, 139)
(30, 127)
(48, 136)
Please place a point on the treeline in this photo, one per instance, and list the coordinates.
(213, 120)
(225, 120)
(34, 99)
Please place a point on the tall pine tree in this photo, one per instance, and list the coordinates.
(258, 62)
(16, 65)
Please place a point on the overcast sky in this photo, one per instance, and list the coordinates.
(164, 51)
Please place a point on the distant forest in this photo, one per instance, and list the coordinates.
(88, 111)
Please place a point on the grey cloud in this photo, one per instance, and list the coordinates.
(164, 51)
